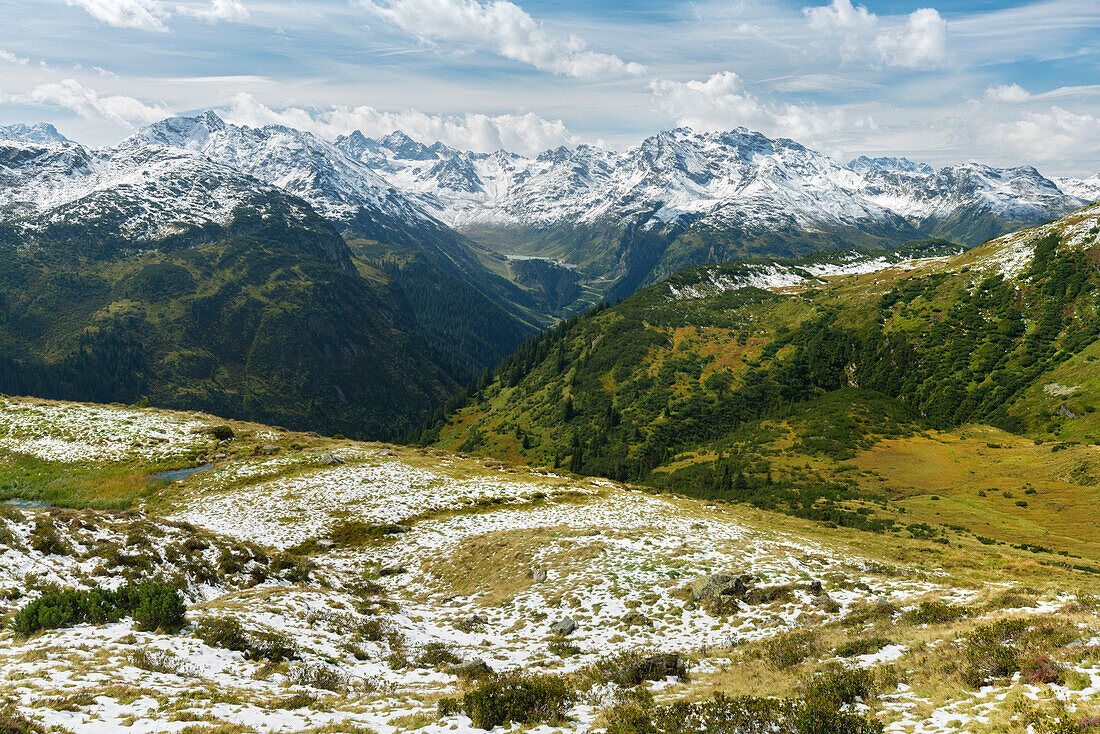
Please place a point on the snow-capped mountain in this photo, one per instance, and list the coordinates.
(863, 164)
(338, 186)
(626, 218)
(1082, 188)
(42, 132)
(709, 180)
(139, 193)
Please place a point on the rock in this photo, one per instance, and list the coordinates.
(269, 448)
(391, 570)
(636, 618)
(538, 575)
(816, 588)
(1064, 412)
(387, 452)
(826, 603)
(564, 626)
(331, 460)
(720, 589)
(698, 526)
(324, 544)
(476, 669)
(469, 624)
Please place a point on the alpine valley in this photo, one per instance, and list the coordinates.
(352, 286)
(750, 441)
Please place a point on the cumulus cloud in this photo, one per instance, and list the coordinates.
(722, 102)
(527, 133)
(1007, 93)
(153, 15)
(506, 29)
(87, 102)
(9, 58)
(918, 42)
(1055, 135)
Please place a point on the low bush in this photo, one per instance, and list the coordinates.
(864, 646)
(161, 661)
(790, 649)
(935, 612)
(1002, 648)
(741, 715)
(518, 698)
(629, 669)
(864, 613)
(317, 676)
(153, 605)
(436, 654)
(221, 433)
(46, 540)
(13, 722)
(229, 634)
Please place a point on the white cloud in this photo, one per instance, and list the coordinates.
(147, 15)
(506, 29)
(153, 15)
(9, 58)
(1056, 135)
(722, 103)
(1007, 93)
(527, 133)
(919, 42)
(232, 11)
(86, 102)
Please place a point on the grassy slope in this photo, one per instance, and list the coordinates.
(481, 552)
(649, 383)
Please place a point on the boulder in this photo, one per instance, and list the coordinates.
(391, 570)
(636, 618)
(476, 669)
(1065, 412)
(826, 603)
(564, 626)
(538, 575)
(720, 589)
(816, 588)
(331, 460)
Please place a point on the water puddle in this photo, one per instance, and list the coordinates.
(175, 474)
(28, 504)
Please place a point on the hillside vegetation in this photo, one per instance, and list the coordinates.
(707, 385)
(297, 583)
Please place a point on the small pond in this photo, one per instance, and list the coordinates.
(175, 474)
(28, 504)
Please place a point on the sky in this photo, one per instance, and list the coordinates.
(1005, 82)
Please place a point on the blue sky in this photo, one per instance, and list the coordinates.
(1000, 81)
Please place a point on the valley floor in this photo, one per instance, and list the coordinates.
(383, 572)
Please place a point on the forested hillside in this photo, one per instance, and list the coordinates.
(263, 321)
(708, 385)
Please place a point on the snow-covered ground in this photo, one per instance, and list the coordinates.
(488, 559)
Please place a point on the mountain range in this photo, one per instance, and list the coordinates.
(404, 269)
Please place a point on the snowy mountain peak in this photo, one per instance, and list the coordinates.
(864, 164)
(406, 148)
(40, 132)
